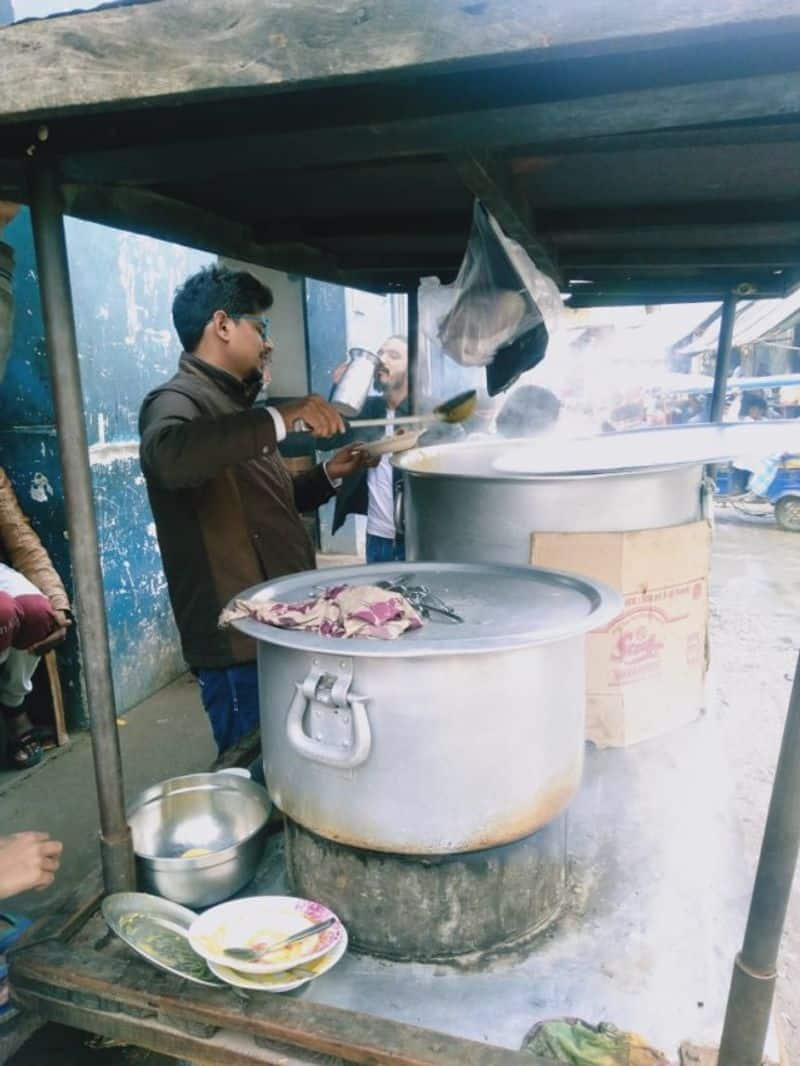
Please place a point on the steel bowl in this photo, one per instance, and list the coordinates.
(222, 813)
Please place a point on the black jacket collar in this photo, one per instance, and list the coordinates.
(241, 391)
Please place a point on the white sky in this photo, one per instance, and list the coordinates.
(26, 9)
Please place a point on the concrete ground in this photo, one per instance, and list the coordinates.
(165, 736)
(755, 605)
(755, 643)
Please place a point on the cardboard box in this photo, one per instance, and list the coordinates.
(645, 671)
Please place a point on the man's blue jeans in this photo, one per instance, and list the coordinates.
(230, 698)
(384, 550)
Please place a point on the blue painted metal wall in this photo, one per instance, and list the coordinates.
(28, 447)
(122, 287)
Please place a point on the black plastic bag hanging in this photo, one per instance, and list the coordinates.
(499, 311)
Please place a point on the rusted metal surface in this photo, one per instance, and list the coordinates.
(548, 803)
(435, 907)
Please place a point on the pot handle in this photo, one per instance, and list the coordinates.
(347, 758)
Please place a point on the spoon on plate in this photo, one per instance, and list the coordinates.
(258, 951)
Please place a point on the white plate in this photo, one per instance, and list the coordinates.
(242, 922)
(398, 442)
(281, 982)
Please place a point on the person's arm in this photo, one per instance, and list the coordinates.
(25, 551)
(182, 448)
(312, 488)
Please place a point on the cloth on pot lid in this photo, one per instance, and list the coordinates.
(339, 611)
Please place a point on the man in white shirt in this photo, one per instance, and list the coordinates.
(372, 491)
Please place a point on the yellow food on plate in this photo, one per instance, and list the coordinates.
(223, 937)
(195, 853)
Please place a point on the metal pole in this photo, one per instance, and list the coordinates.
(412, 315)
(723, 359)
(754, 973)
(51, 256)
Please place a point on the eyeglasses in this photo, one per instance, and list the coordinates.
(261, 322)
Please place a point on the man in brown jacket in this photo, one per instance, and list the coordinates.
(225, 507)
(34, 616)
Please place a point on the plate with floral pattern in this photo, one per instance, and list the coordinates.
(243, 923)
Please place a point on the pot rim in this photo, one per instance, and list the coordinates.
(404, 460)
(606, 604)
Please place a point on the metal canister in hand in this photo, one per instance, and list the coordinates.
(352, 390)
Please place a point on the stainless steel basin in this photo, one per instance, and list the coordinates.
(223, 815)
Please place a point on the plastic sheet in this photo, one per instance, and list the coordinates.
(500, 310)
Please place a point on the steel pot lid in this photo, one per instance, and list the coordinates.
(502, 607)
(509, 460)
(609, 455)
(637, 450)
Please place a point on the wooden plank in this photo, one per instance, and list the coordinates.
(150, 213)
(635, 298)
(728, 136)
(744, 285)
(699, 213)
(680, 236)
(142, 211)
(657, 258)
(54, 680)
(226, 1049)
(478, 130)
(54, 970)
(170, 49)
(379, 227)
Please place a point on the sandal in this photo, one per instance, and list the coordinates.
(25, 751)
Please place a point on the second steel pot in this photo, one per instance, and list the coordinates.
(459, 507)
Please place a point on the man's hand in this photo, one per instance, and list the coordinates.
(322, 419)
(28, 860)
(63, 621)
(348, 460)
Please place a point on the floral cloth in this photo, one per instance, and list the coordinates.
(340, 611)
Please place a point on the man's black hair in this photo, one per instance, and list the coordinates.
(215, 288)
(749, 401)
(528, 410)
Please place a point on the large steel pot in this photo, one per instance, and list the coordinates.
(461, 505)
(452, 738)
